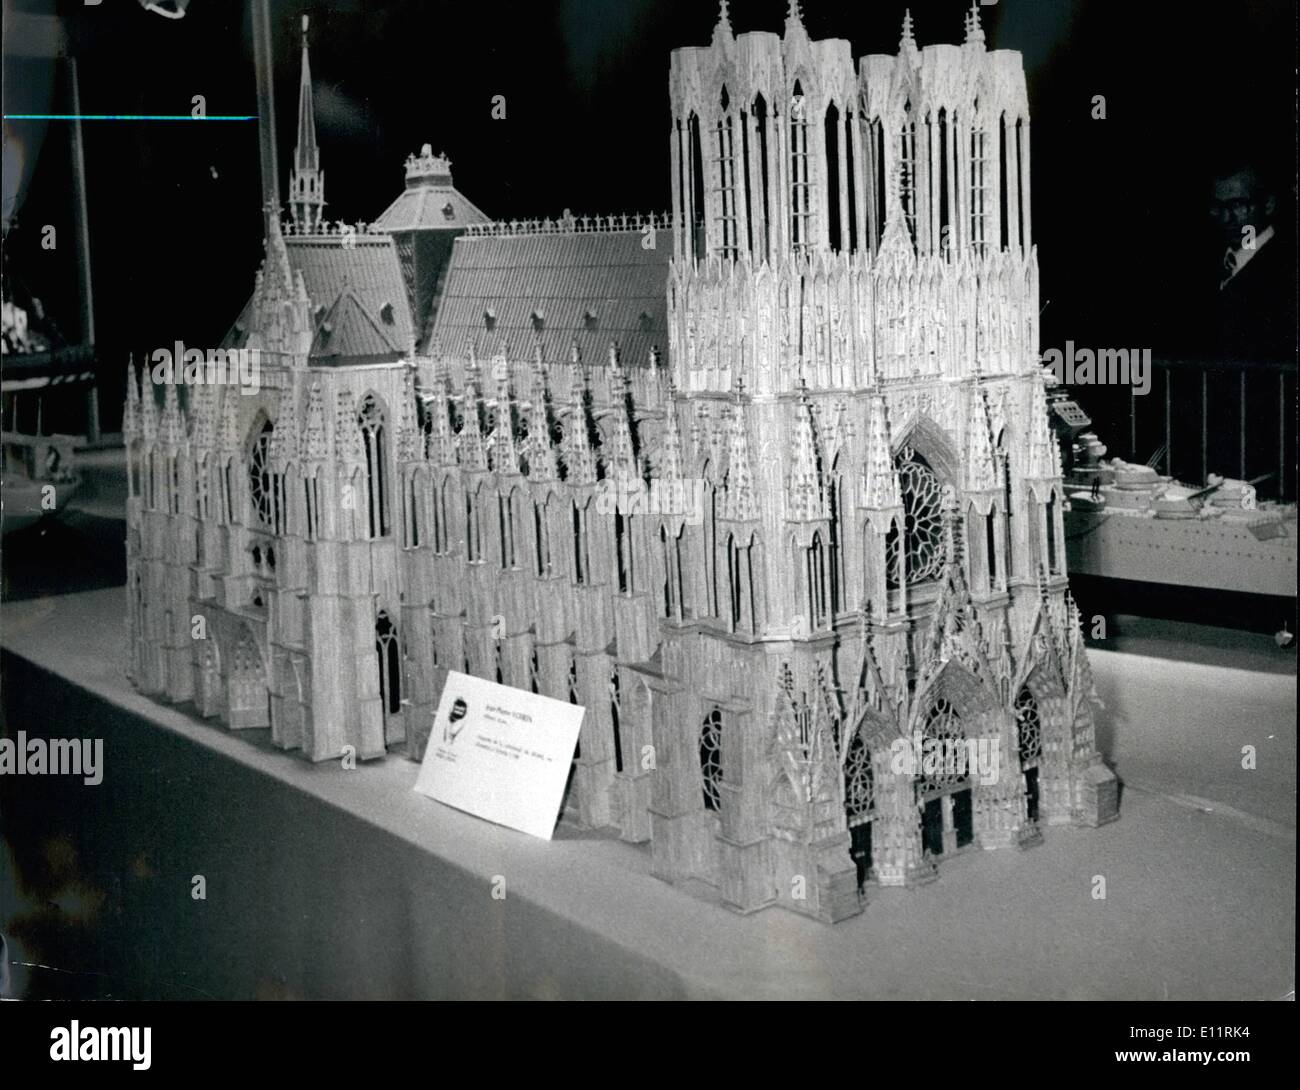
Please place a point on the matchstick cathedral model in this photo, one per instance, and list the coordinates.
(767, 484)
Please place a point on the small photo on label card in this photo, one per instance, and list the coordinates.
(500, 753)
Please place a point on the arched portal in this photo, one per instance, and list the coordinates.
(943, 784)
(860, 803)
(208, 689)
(248, 698)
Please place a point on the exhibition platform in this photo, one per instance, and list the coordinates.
(323, 882)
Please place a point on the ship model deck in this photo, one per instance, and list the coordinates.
(1138, 525)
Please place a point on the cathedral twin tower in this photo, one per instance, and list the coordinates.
(851, 384)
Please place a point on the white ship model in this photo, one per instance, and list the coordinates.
(1126, 521)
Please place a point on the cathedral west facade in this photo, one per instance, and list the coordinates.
(767, 484)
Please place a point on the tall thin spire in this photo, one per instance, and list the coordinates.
(908, 40)
(722, 32)
(974, 32)
(306, 180)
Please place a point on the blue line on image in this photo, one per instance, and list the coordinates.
(128, 117)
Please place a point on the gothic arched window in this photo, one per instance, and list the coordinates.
(991, 547)
(980, 183)
(761, 211)
(280, 494)
(1029, 728)
(945, 181)
(174, 485)
(473, 528)
(542, 539)
(615, 714)
(711, 759)
(693, 194)
(201, 489)
(800, 184)
(674, 573)
(624, 553)
(133, 469)
(943, 731)
(412, 493)
(260, 484)
(816, 571)
(581, 559)
(835, 496)
(922, 536)
(1004, 456)
(441, 535)
(725, 157)
(572, 684)
(680, 574)
(228, 491)
(733, 581)
(709, 551)
(859, 804)
(670, 599)
(859, 782)
(506, 529)
(370, 419)
(390, 676)
(877, 182)
(1053, 560)
(836, 200)
(907, 169)
(311, 502)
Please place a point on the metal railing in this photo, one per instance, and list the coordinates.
(572, 225)
(1232, 418)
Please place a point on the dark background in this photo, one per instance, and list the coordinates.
(1119, 204)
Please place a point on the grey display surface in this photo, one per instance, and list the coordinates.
(328, 883)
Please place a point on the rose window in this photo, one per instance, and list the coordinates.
(922, 496)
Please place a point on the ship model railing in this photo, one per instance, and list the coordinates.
(1234, 418)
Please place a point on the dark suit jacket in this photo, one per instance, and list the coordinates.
(1254, 315)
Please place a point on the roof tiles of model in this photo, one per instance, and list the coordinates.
(365, 268)
(506, 293)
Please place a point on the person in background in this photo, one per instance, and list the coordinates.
(1254, 307)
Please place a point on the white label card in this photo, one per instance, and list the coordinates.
(500, 753)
